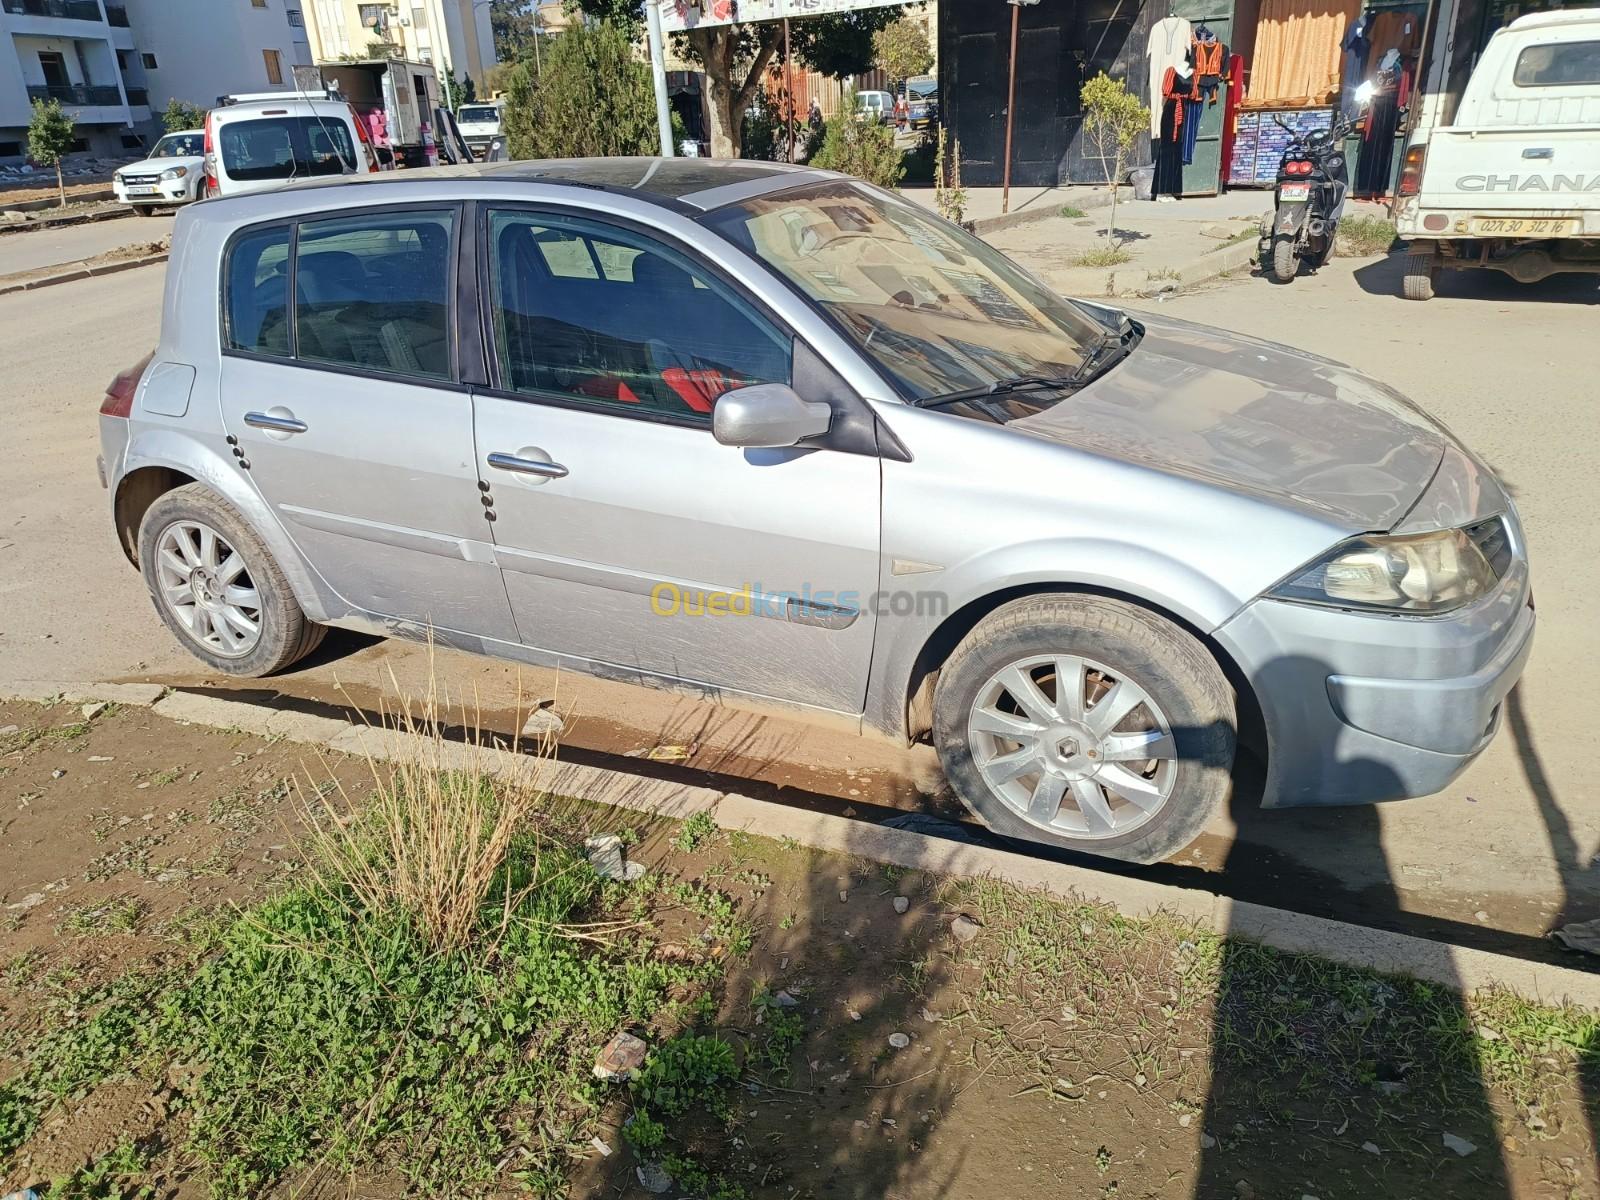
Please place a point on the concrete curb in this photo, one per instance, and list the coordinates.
(82, 218)
(110, 268)
(1208, 266)
(1098, 198)
(1456, 967)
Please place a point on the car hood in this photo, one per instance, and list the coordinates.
(154, 166)
(1254, 417)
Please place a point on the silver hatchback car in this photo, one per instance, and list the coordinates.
(779, 437)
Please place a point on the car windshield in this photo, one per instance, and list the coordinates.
(286, 148)
(482, 114)
(938, 310)
(180, 145)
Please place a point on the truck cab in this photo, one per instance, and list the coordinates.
(1513, 185)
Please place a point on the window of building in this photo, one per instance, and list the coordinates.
(122, 60)
(274, 66)
(149, 60)
(295, 18)
(258, 3)
(10, 149)
(130, 141)
(373, 291)
(602, 315)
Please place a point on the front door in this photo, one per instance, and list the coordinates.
(345, 408)
(631, 538)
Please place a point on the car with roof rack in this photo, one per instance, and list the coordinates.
(778, 438)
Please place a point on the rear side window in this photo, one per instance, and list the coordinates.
(373, 291)
(286, 148)
(258, 292)
(1561, 64)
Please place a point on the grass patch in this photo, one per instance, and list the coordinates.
(1363, 236)
(696, 832)
(1101, 256)
(1071, 211)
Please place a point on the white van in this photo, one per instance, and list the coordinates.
(480, 122)
(263, 141)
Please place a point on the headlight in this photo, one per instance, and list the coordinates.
(174, 172)
(116, 177)
(1420, 573)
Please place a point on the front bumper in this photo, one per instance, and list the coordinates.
(174, 192)
(1360, 707)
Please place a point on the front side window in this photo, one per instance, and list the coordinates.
(591, 312)
(286, 148)
(373, 291)
(257, 295)
(936, 309)
(1560, 64)
(180, 145)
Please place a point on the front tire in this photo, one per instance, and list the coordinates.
(143, 210)
(218, 588)
(1086, 724)
(1285, 263)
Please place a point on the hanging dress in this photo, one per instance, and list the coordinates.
(1175, 90)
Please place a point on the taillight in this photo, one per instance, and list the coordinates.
(119, 394)
(1411, 170)
(1297, 168)
(211, 160)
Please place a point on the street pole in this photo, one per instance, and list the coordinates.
(658, 71)
(1011, 104)
(788, 92)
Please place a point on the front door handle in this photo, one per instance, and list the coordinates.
(527, 466)
(278, 424)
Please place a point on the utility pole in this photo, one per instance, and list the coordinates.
(1011, 103)
(658, 71)
(788, 92)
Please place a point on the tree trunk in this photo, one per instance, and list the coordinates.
(731, 88)
(61, 184)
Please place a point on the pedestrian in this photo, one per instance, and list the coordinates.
(814, 118)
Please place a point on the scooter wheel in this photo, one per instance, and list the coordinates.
(1285, 262)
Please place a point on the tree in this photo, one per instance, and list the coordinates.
(594, 97)
(181, 115)
(1112, 121)
(515, 24)
(458, 92)
(51, 132)
(901, 48)
(736, 57)
(864, 149)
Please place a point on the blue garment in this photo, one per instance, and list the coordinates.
(1192, 110)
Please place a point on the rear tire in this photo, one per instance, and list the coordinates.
(1422, 269)
(1088, 791)
(1285, 262)
(218, 588)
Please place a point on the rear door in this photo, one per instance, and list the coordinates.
(345, 407)
(629, 537)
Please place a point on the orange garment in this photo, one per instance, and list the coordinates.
(1298, 52)
(1177, 88)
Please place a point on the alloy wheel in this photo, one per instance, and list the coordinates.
(205, 583)
(1072, 746)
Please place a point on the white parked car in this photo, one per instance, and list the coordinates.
(1513, 184)
(171, 175)
(258, 142)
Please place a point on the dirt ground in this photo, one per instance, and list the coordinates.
(1061, 1051)
(41, 185)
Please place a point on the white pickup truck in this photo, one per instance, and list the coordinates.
(1513, 184)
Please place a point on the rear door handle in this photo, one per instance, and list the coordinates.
(527, 466)
(1539, 152)
(263, 420)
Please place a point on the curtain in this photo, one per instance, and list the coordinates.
(1297, 55)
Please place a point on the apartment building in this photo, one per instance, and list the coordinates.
(453, 35)
(114, 64)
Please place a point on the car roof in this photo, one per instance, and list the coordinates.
(695, 183)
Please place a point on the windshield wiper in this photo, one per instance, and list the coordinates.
(1107, 353)
(999, 387)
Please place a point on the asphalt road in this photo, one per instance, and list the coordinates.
(1500, 858)
(29, 251)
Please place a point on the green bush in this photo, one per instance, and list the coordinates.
(860, 148)
(593, 98)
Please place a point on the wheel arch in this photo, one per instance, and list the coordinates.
(136, 492)
(917, 711)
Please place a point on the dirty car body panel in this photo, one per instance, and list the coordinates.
(1193, 478)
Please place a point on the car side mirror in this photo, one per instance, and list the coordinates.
(767, 415)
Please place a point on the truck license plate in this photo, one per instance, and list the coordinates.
(1526, 226)
(1294, 191)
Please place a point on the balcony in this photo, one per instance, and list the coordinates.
(117, 16)
(78, 94)
(71, 10)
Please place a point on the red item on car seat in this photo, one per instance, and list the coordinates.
(608, 387)
(698, 388)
